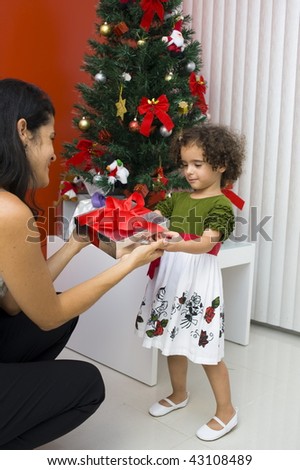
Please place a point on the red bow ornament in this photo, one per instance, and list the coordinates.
(150, 7)
(151, 108)
(233, 197)
(198, 88)
(83, 159)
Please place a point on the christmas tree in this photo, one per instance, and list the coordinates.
(146, 85)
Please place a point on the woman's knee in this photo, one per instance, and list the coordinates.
(94, 384)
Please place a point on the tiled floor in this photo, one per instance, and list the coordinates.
(265, 380)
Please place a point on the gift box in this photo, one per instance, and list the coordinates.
(120, 223)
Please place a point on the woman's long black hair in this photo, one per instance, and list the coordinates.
(19, 99)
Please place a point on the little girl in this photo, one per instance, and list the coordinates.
(182, 310)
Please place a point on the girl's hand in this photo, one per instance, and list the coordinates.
(172, 241)
(172, 237)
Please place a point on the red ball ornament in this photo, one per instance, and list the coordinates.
(134, 126)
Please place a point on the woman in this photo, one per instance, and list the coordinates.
(40, 399)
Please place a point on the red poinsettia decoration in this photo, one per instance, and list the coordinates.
(160, 177)
(150, 8)
(198, 88)
(83, 159)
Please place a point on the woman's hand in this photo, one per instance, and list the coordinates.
(77, 242)
(144, 254)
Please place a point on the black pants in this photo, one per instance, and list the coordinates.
(41, 399)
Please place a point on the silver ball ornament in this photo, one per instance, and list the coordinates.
(97, 178)
(100, 77)
(126, 77)
(190, 66)
(164, 131)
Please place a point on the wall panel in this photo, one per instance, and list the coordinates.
(251, 63)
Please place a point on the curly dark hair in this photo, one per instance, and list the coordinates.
(221, 146)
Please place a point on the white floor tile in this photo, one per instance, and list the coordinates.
(265, 381)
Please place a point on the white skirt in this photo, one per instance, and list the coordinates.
(182, 309)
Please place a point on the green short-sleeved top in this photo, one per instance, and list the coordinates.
(193, 216)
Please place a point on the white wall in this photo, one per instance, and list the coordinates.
(251, 61)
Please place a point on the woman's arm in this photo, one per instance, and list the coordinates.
(59, 260)
(29, 278)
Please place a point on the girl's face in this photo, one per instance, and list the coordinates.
(40, 153)
(202, 178)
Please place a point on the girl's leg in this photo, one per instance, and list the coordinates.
(178, 366)
(219, 380)
(42, 401)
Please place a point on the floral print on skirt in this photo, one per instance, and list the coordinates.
(182, 309)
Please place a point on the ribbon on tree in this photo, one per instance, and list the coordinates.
(151, 108)
(87, 150)
(198, 88)
(150, 7)
(233, 197)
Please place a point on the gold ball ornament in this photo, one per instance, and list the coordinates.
(105, 29)
(84, 124)
(183, 107)
(141, 42)
(169, 76)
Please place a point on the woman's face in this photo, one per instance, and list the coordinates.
(40, 153)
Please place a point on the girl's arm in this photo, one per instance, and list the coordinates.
(29, 278)
(174, 242)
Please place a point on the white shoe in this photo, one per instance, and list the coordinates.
(160, 410)
(207, 434)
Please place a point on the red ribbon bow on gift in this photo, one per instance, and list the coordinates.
(233, 197)
(155, 107)
(198, 88)
(119, 218)
(150, 7)
(84, 157)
